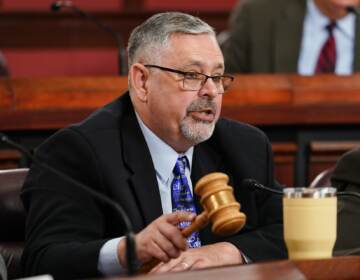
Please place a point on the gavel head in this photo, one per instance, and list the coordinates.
(218, 200)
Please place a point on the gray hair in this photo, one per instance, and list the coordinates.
(156, 30)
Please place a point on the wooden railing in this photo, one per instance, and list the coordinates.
(286, 107)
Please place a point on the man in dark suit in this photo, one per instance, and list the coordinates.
(287, 36)
(346, 178)
(131, 149)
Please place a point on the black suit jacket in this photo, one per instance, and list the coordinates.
(3, 272)
(66, 227)
(346, 178)
(265, 37)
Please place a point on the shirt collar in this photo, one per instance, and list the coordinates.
(347, 25)
(163, 156)
(318, 20)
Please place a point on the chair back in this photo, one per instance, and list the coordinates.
(4, 70)
(12, 219)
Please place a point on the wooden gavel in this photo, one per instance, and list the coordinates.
(220, 207)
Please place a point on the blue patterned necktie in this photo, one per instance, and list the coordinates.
(182, 199)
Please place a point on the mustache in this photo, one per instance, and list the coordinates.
(201, 105)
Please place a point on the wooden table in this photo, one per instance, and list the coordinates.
(339, 268)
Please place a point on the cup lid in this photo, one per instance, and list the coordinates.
(309, 192)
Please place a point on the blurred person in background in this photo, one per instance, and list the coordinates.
(294, 36)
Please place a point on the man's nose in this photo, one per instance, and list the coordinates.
(209, 88)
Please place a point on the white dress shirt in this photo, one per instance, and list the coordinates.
(315, 35)
(164, 158)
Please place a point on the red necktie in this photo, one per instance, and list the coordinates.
(327, 58)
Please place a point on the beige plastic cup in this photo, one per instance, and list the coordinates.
(309, 222)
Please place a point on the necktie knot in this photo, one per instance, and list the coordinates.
(330, 27)
(180, 165)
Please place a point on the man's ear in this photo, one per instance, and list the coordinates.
(138, 77)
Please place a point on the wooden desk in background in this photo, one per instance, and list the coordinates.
(293, 110)
(339, 268)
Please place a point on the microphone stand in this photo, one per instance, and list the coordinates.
(122, 65)
(130, 240)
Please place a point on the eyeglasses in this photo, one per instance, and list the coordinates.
(194, 81)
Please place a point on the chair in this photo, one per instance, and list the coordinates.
(322, 179)
(12, 219)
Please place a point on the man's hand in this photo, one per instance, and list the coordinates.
(218, 254)
(161, 239)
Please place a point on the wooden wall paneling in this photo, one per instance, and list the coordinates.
(9, 159)
(52, 103)
(44, 5)
(66, 92)
(6, 95)
(52, 62)
(189, 5)
(258, 107)
(259, 90)
(284, 158)
(343, 89)
(325, 154)
(268, 104)
(133, 5)
(67, 30)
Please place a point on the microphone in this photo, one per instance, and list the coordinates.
(122, 64)
(252, 184)
(130, 241)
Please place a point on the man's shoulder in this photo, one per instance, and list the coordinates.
(101, 124)
(107, 117)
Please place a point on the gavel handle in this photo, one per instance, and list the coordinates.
(199, 222)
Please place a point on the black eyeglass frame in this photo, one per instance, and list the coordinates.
(184, 73)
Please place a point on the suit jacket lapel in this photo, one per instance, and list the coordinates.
(288, 36)
(356, 66)
(138, 159)
(205, 161)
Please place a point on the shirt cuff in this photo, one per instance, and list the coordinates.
(246, 259)
(108, 263)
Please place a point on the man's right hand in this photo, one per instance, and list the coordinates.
(161, 239)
